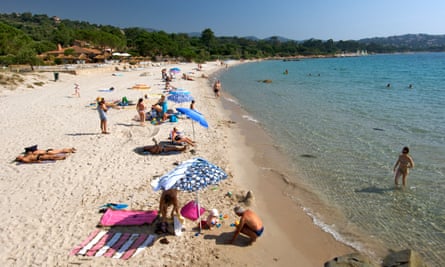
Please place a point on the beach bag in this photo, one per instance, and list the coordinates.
(173, 118)
(190, 211)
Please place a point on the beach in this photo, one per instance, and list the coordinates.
(50, 208)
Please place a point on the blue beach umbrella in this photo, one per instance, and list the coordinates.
(195, 116)
(180, 97)
(175, 70)
(191, 175)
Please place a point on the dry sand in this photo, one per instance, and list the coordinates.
(48, 209)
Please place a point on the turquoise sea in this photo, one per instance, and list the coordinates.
(342, 129)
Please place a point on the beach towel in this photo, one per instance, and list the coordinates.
(113, 244)
(190, 211)
(128, 217)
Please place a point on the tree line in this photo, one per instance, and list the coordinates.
(24, 36)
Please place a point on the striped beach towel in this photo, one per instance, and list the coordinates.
(113, 244)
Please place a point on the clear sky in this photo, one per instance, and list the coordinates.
(293, 19)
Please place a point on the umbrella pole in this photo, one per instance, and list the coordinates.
(193, 127)
(199, 212)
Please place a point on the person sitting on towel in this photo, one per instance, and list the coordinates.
(250, 224)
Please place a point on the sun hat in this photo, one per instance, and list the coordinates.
(214, 212)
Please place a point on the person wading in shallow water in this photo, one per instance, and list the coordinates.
(402, 166)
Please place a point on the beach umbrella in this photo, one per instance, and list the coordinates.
(175, 70)
(192, 175)
(180, 98)
(195, 116)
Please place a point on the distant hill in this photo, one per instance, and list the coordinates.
(412, 42)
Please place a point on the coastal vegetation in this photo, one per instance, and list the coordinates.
(25, 36)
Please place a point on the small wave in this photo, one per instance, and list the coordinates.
(337, 236)
(250, 118)
(231, 100)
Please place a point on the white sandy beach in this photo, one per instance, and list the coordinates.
(50, 208)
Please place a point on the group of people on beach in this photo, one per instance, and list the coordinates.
(249, 223)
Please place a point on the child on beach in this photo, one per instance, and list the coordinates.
(402, 166)
(212, 219)
(76, 90)
(102, 110)
(140, 107)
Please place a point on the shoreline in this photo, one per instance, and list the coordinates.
(259, 166)
(50, 208)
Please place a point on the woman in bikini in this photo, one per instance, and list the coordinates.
(38, 158)
(402, 166)
(178, 137)
(140, 107)
(51, 151)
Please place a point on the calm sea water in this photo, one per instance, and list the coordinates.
(343, 129)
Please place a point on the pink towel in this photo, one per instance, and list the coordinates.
(128, 217)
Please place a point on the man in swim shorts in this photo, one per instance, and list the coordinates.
(250, 224)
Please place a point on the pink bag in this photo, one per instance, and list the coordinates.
(190, 211)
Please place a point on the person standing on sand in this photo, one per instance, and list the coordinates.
(402, 166)
(102, 109)
(168, 198)
(140, 107)
(76, 90)
(250, 224)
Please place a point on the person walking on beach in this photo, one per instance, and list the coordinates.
(250, 224)
(217, 88)
(402, 166)
(76, 90)
(102, 109)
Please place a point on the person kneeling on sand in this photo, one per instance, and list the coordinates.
(250, 224)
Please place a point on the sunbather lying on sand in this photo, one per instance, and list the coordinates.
(51, 151)
(34, 155)
(161, 148)
(36, 158)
